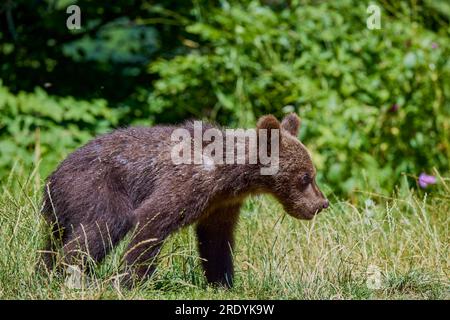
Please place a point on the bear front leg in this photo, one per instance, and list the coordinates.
(216, 241)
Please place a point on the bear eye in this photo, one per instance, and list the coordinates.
(305, 180)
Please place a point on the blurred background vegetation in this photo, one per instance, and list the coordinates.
(374, 103)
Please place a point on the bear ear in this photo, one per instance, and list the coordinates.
(268, 122)
(291, 123)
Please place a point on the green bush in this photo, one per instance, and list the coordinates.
(35, 126)
(373, 102)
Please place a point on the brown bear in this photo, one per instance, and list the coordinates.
(127, 180)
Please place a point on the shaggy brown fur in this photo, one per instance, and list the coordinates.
(126, 180)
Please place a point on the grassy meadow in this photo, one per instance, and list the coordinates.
(374, 99)
(402, 241)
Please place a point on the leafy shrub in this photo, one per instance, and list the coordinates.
(372, 101)
(35, 125)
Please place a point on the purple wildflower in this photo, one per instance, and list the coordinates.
(425, 180)
(393, 108)
(434, 45)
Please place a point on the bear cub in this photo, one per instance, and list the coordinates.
(126, 181)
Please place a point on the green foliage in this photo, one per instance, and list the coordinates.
(372, 101)
(35, 125)
(106, 58)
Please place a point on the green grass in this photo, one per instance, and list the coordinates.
(277, 257)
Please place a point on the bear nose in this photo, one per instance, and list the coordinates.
(326, 204)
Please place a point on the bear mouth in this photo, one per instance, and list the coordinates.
(310, 214)
(302, 214)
